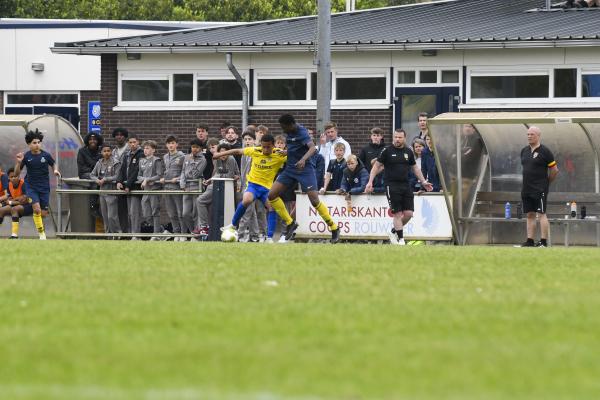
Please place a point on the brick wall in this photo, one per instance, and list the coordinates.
(354, 125)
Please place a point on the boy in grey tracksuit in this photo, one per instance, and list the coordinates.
(222, 169)
(150, 172)
(173, 162)
(190, 180)
(249, 221)
(105, 173)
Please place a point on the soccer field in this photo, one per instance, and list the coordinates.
(158, 320)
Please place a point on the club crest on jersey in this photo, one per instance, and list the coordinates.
(43, 159)
(535, 154)
(405, 156)
(263, 161)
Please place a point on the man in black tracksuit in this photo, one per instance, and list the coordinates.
(127, 182)
(369, 154)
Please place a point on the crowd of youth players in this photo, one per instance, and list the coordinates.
(266, 168)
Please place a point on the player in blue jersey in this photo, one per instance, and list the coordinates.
(37, 162)
(299, 170)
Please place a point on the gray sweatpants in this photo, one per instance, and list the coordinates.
(248, 221)
(174, 204)
(134, 206)
(151, 211)
(109, 207)
(189, 210)
(261, 217)
(202, 203)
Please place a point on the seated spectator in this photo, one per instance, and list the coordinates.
(428, 166)
(581, 3)
(355, 177)
(418, 147)
(335, 170)
(89, 155)
(369, 154)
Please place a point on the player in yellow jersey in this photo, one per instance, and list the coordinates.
(265, 165)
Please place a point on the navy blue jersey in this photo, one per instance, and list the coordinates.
(38, 177)
(297, 146)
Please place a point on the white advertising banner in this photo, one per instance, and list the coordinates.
(369, 217)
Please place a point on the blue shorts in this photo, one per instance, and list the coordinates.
(27, 210)
(260, 192)
(39, 197)
(306, 177)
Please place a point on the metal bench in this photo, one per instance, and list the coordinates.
(489, 207)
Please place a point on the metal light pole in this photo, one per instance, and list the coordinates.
(324, 65)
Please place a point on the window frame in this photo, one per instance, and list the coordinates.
(44, 92)
(289, 74)
(438, 83)
(360, 73)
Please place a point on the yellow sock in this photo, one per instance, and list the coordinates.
(39, 224)
(324, 213)
(279, 207)
(15, 226)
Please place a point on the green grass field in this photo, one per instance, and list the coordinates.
(122, 320)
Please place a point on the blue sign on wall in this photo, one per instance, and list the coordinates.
(94, 116)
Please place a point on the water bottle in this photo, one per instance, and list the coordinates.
(573, 209)
(507, 210)
(583, 212)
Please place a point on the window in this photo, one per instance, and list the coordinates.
(183, 87)
(219, 90)
(428, 77)
(406, 77)
(145, 89)
(313, 86)
(282, 89)
(565, 82)
(372, 88)
(509, 86)
(46, 98)
(590, 85)
(450, 77)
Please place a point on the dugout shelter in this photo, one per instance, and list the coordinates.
(61, 139)
(478, 157)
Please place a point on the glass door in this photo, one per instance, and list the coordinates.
(409, 102)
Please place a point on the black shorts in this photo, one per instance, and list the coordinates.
(534, 202)
(400, 198)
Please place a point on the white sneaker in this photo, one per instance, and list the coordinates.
(228, 227)
(401, 242)
(269, 240)
(43, 236)
(136, 238)
(154, 238)
(282, 239)
(393, 237)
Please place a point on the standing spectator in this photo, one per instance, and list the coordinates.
(423, 129)
(173, 164)
(369, 154)
(335, 170)
(223, 129)
(88, 155)
(261, 130)
(428, 166)
(539, 170)
(227, 168)
(418, 148)
(190, 180)
(105, 174)
(202, 134)
(355, 177)
(127, 181)
(149, 177)
(231, 140)
(121, 135)
(396, 160)
(329, 139)
(248, 221)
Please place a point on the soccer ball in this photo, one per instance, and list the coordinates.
(229, 235)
